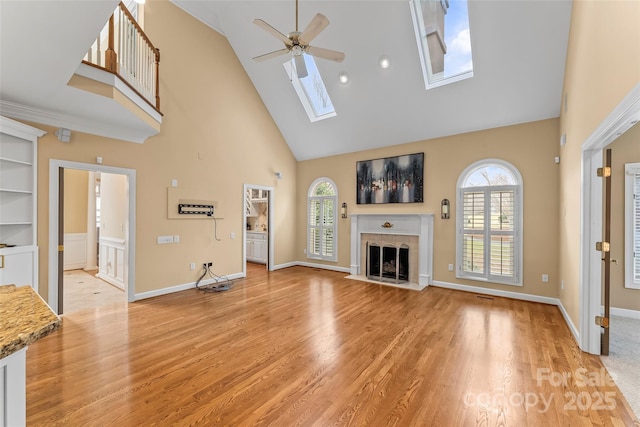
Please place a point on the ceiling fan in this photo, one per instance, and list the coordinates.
(297, 43)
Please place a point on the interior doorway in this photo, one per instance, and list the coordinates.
(258, 226)
(621, 119)
(114, 250)
(94, 223)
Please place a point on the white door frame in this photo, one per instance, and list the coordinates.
(270, 255)
(623, 116)
(130, 244)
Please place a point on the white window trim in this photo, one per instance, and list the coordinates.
(518, 232)
(333, 258)
(630, 223)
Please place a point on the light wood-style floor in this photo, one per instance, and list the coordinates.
(302, 346)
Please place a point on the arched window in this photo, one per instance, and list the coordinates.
(489, 223)
(321, 224)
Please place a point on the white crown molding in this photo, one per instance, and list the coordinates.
(94, 127)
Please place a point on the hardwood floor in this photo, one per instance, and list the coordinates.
(302, 346)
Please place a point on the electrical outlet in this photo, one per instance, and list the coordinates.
(192, 266)
(545, 278)
(450, 267)
(562, 285)
(232, 235)
(176, 239)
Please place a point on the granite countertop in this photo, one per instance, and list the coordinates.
(24, 318)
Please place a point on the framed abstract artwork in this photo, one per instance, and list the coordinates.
(397, 179)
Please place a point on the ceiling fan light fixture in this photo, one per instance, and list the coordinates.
(343, 77)
(384, 61)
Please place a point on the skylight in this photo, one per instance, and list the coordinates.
(311, 90)
(444, 40)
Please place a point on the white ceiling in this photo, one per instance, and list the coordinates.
(519, 49)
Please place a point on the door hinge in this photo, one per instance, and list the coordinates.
(602, 246)
(60, 248)
(602, 321)
(604, 172)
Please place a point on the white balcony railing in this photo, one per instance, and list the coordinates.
(124, 49)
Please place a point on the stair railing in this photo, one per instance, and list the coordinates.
(122, 48)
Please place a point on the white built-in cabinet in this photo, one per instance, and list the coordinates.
(257, 247)
(18, 203)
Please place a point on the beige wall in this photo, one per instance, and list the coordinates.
(530, 147)
(216, 134)
(603, 65)
(113, 206)
(626, 149)
(76, 192)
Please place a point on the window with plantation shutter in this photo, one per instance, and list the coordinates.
(489, 245)
(321, 226)
(632, 225)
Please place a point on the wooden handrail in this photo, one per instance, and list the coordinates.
(124, 9)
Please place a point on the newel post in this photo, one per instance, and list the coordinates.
(158, 79)
(110, 55)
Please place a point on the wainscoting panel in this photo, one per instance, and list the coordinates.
(112, 261)
(75, 251)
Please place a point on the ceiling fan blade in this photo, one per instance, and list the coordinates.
(317, 24)
(331, 55)
(269, 29)
(270, 55)
(301, 67)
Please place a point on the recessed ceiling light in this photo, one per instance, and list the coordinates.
(343, 77)
(384, 61)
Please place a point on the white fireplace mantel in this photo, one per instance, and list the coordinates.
(420, 225)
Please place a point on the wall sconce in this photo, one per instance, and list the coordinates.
(444, 209)
(343, 210)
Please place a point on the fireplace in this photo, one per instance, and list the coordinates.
(394, 249)
(387, 263)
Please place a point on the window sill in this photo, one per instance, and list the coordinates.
(486, 280)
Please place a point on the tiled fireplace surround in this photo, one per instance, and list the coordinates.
(413, 230)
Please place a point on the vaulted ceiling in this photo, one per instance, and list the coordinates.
(519, 49)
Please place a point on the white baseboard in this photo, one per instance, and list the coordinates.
(111, 280)
(285, 265)
(515, 295)
(323, 266)
(496, 292)
(183, 287)
(570, 324)
(623, 312)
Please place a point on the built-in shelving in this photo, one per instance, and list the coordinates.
(18, 203)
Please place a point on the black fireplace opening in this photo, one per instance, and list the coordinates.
(388, 263)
